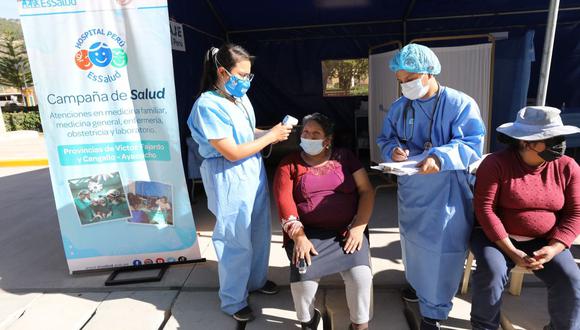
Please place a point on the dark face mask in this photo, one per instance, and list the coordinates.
(555, 148)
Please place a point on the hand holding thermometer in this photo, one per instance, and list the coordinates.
(289, 122)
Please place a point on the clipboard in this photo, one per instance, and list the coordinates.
(407, 167)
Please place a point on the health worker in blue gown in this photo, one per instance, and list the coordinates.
(435, 206)
(223, 124)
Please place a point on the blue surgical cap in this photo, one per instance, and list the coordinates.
(416, 58)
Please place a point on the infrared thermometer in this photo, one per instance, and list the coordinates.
(302, 266)
(289, 121)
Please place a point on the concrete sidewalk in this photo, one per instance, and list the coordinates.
(22, 148)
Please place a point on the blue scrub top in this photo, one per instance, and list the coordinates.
(457, 130)
(214, 117)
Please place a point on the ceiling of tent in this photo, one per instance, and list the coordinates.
(378, 16)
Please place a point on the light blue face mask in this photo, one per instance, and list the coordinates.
(237, 87)
(311, 147)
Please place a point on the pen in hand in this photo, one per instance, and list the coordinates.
(399, 154)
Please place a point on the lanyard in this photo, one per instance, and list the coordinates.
(428, 144)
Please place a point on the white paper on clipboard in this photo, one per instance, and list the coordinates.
(407, 167)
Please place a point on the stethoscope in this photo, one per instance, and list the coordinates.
(237, 102)
(428, 144)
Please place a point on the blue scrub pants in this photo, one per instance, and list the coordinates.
(561, 276)
(237, 194)
(436, 221)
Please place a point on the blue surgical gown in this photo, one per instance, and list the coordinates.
(237, 194)
(435, 210)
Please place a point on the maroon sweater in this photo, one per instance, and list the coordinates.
(513, 198)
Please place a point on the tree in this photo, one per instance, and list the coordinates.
(345, 71)
(328, 68)
(14, 66)
(11, 26)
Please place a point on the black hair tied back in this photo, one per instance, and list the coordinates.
(227, 56)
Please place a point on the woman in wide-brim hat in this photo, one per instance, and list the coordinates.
(527, 204)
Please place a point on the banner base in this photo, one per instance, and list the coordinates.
(162, 267)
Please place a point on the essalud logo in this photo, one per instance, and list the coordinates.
(100, 60)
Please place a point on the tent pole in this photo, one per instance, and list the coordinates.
(404, 32)
(547, 53)
(398, 21)
(505, 13)
(202, 31)
(408, 13)
(390, 43)
(218, 19)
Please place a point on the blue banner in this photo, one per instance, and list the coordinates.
(103, 75)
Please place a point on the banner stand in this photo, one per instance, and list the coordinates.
(111, 129)
(156, 278)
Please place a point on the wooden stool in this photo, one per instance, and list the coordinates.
(467, 273)
(516, 281)
(516, 277)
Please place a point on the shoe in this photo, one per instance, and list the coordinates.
(313, 323)
(409, 294)
(269, 288)
(244, 315)
(429, 324)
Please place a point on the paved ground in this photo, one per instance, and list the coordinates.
(36, 291)
(22, 148)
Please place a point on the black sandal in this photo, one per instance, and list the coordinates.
(313, 323)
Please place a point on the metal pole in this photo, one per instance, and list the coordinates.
(404, 32)
(19, 67)
(547, 53)
(25, 85)
(408, 13)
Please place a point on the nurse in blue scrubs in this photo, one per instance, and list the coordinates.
(223, 124)
(435, 206)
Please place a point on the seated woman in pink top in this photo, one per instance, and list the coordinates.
(527, 203)
(325, 201)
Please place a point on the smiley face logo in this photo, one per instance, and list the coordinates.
(82, 60)
(119, 58)
(100, 54)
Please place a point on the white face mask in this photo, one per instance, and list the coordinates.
(414, 89)
(311, 147)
